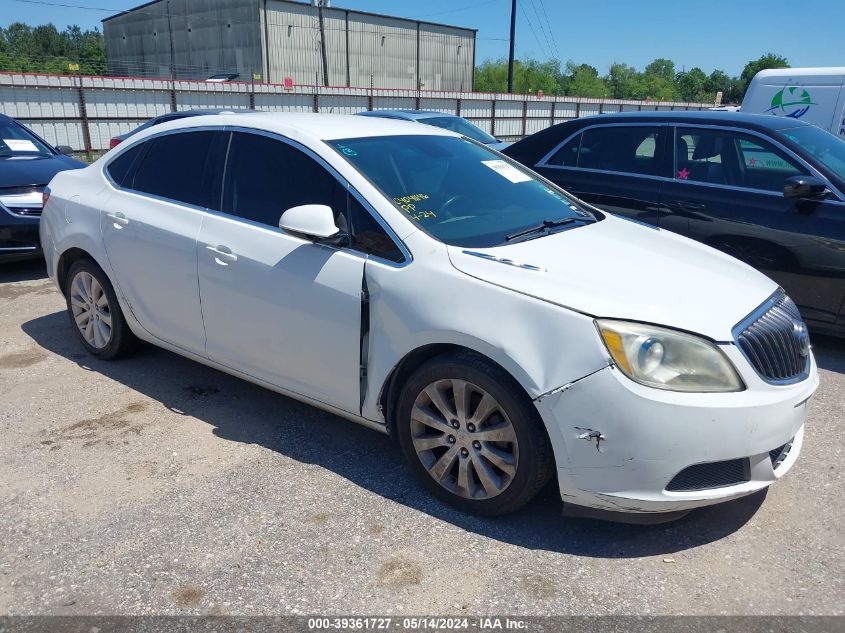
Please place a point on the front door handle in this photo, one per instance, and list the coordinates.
(118, 219)
(223, 255)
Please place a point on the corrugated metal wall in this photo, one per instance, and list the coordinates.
(208, 38)
(366, 50)
(85, 112)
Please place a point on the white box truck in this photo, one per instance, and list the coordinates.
(814, 95)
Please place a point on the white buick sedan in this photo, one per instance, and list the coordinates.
(416, 282)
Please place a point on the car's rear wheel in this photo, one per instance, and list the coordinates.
(95, 313)
(472, 436)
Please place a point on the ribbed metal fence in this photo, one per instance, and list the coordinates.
(85, 112)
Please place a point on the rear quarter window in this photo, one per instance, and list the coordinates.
(121, 167)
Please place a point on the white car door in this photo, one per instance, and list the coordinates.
(150, 226)
(277, 307)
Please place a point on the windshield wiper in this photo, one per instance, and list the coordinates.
(545, 226)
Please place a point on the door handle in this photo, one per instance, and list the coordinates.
(119, 220)
(223, 255)
(686, 205)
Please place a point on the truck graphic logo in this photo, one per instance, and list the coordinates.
(791, 101)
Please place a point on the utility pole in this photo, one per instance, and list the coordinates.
(510, 54)
(323, 43)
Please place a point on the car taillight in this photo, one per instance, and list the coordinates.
(45, 196)
(114, 142)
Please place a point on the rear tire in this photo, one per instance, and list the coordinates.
(472, 436)
(95, 313)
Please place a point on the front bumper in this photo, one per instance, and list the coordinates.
(619, 444)
(18, 236)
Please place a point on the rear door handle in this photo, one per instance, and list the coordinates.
(118, 219)
(223, 255)
(686, 205)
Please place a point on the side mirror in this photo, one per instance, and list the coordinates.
(67, 150)
(314, 221)
(805, 188)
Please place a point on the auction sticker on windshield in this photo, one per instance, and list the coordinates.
(508, 171)
(20, 145)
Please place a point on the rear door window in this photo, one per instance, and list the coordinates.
(174, 168)
(630, 149)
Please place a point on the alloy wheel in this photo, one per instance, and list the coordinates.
(91, 312)
(464, 439)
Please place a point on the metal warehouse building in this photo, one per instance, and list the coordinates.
(272, 40)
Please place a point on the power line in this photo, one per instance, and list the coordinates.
(466, 8)
(547, 29)
(549, 25)
(534, 32)
(542, 30)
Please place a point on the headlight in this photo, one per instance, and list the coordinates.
(668, 359)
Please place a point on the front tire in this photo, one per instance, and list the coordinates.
(95, 313)
(472, 436)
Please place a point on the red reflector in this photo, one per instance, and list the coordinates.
(114, 143)
(45, 196)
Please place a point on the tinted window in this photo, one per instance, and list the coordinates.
(622, 148)
(368, 236)
(731, 158)
(265, 177)
(458, 191)
(173, 167)
(120, 167)
(826, 148)
(567, 156)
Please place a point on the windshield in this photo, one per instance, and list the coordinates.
(826, 148)
(461, 126)
(17, 142)
(458, 191)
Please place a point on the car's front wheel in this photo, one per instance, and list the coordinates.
(95, 313)
(472, 435)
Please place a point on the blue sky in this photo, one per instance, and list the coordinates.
(710, 34)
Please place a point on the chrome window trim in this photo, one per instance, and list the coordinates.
(543, 163)
(751, 318)
(406, 253)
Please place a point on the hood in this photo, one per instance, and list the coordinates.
(621, 269)
(21, 172)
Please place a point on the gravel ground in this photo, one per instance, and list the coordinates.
(154, 485)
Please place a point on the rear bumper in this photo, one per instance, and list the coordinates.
(651, 437)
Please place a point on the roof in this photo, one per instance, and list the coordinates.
(350, 11)
(306, 126)
(410, 115)
(544, 140)
(713, 117)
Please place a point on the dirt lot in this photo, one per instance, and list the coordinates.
(156, 485)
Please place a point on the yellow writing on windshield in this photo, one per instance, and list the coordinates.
(407, 204)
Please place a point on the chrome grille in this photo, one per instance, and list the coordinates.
(775, 340)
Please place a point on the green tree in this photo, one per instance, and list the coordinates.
(584, 81)
(529, 76)
(624, 81)
(692, 85)
(764, 62)
(658, 81)
(46, 49)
